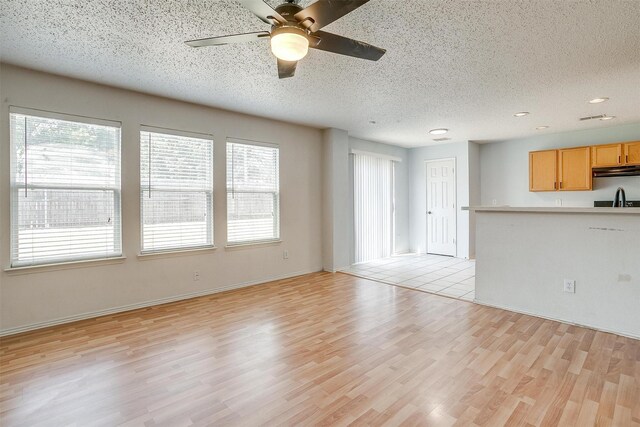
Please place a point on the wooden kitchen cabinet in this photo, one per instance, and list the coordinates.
(606, 155)
(632, 153)
(622, 154)
(570, 169)
(543, 170)
(574, 169)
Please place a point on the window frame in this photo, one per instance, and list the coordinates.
(15, 189)
(275, 195)
(211, 193)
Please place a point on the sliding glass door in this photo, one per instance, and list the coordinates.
(373, 207)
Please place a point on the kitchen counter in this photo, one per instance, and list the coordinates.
(581, 210)
(524, 255)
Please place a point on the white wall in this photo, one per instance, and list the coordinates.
(46, 295)
(474, 193)
(401, 189)
(505, 169)
(418, 193)
(523, 259)
(335, 200)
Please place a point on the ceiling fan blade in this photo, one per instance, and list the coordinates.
(235, 38)
(324, 12)
(345, 46)
(263, 11)
(286, 68)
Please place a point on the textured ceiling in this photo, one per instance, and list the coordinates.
(459, 64)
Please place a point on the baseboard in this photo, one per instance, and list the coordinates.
(569, 322)
(403, 252)
(144, 304)
(328, 270)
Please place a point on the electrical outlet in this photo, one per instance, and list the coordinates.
(558, 202)
(624, 277)
(285, 254)
(494, 202)
(196, 276)
(569, 286)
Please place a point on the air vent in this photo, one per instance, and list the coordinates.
(592, 117)
(441, 139)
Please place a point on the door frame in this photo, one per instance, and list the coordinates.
(455, 196)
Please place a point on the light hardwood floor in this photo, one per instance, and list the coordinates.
(319, 349)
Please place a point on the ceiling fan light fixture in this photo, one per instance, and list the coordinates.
(289, 44)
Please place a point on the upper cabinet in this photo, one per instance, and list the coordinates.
(606, 155)
(571, 169)
(574, 169)
(543, 170)
(621, 154)
(632, 153)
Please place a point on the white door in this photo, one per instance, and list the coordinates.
(441, 207)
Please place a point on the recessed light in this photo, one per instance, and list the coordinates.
(542, 127)
(521, 114)
(605, 117)
(598, 100)
(438, 131)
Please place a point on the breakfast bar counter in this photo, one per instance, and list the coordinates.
(524, 255)
(574, 210)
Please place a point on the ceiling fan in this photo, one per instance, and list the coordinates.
(294, 30)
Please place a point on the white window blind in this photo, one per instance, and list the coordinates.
(253, 193)
(373, 207)
(176, 179)
(65, 189)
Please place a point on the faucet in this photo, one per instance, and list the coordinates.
(621, 200)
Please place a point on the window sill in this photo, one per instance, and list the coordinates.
(248, 245)
(40, 268)
(174, 253)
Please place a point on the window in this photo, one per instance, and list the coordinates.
(65, 188)
(176, 191)
(253, 193)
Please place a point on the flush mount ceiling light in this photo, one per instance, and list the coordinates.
(289, 43)
(605, 117)
(598, 100)
(542, 127)
(440, 131)
(521, 114)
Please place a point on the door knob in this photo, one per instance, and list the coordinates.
(429, 212)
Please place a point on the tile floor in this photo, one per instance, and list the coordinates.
(442, 275)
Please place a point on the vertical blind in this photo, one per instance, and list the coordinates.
(373, 207)
(176, 180)
(65, 189)
(253, 193)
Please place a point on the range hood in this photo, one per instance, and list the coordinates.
(617, 171)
